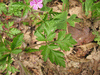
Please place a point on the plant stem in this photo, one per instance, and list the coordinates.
(38, 44)
(41, 44)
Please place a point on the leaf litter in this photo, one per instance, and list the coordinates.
(83, 59)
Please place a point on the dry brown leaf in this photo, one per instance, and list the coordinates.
(76, 10)
(81, 35)
(88, 46)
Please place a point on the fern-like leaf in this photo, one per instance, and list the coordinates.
(65, 41)
(54, 56)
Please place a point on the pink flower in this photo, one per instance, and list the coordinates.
(36, 4)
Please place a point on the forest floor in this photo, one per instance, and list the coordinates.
(83, 59)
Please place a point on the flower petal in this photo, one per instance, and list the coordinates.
(35, 7)
(40, 1)
(32, 3)
(40, 5)
(36, 1)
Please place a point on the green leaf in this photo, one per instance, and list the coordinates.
(4, 67)
(3, 59)
(45, 52)
(16, 8)
(97, 38)
(1, 24)
(53, 46)
(10, 23)
(60, 20)
(13, 69)
(65, 42)
(18, 13)
(49, 27)
(95, 0)
(3, 49)
(88, 5)
(95, 10)
(55, 56)
(6, 26)
(45, 17)
(26, 11)
(81, 1)
(7, 73)
(40, 36)
(49, 30)
(18, 5)
(14, 31)
(65, 5)
(73, 16)
(62, 16)
(45, 8)
(3, 8)
(61, 24)
(9, 68)
(27, 1)
(1, 55)
(9, 59)
(50, 37)
(17, 41)
(61, 35)
(16, 51)
(71, 20)
(41, 27)
(26, 23)
(11, 36)
(1, 67)
(46, 1)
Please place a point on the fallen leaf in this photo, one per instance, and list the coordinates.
(81, 35)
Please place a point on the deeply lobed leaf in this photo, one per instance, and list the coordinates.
(65, 41)
(3, 8)
(14, 31)
(54, 56)
(17, 41)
